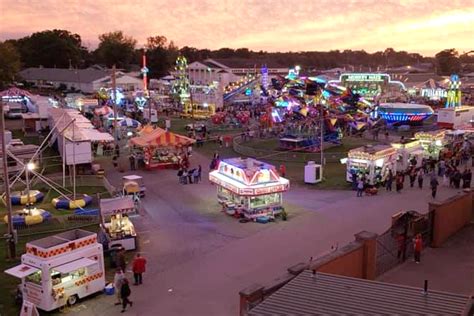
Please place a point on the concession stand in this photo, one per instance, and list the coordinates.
(249, 188)
(371, 161)
(114, 217)
(432, 142)
(162, 149)
(408, 149)
(61, 269)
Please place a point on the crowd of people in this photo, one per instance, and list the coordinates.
(451, 169)
(121, 283)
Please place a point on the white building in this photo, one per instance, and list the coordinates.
(221, 73)
(87, 80)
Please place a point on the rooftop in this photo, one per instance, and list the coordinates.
(248, 163)
(59, 239)
(327, 294)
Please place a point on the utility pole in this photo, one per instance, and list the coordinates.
(6, 184)
(321, 128)
(114, 103)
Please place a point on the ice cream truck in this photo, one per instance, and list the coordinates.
(60, 269)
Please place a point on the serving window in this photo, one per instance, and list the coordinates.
(262, 200)
(58, 277)
(34, 277)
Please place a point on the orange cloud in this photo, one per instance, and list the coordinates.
(273, 25)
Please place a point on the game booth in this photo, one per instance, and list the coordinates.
(202, 111)
(408, 150)
(248, 188)
(371, 161)
(432, 142)
(61, 269)
(114, 217)
(162, 149)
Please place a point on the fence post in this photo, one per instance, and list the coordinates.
(369, 241)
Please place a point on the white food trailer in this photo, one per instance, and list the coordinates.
(60, 269)
(455, 117)
(114, 217)
(408, 149)
(371, 161)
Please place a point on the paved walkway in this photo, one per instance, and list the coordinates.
(199, 258)
(449, 268)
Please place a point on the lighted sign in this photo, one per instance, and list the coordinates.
(365, 77)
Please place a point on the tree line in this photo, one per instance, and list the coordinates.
(63, 49)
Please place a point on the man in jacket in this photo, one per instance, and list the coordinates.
(138, 268)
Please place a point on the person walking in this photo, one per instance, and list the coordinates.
(467, 179)
(199, 173)
(399, 182)
(417, 247)
(138, 268)
(125, 294)
(389, 181)
(121, 263)
(434, 186)
(132, 162)
(118, 279)
(360, 187)
(421, 174)
(412, 176)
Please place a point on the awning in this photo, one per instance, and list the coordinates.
(119, 205)
(21, 271)
(74, 265)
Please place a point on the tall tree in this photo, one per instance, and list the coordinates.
(447, 62)
(9, 65)
(160, 55)
(115, 48)
(51, 48)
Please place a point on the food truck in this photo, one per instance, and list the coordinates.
(408, 150)
(432, 142)
(249, 188)
(371, 161)
(60, 269)
(114, 214)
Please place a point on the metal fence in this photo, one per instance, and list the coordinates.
(390, 252)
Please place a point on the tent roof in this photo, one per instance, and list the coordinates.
(161, 138)
(15, 92)
(83, 129)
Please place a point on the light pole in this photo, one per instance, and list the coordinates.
(6, 183)
(321, 128)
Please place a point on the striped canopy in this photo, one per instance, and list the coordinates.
(128, 122)
(161, 138)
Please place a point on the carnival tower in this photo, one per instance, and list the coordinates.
(454, 93)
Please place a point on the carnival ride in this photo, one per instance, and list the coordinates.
(312, 104)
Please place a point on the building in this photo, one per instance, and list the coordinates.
(329, 294)
(87, 80)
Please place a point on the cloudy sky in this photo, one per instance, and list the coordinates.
(273, 25)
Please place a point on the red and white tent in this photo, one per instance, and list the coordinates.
(161, 138)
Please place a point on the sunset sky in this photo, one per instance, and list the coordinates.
(273, 25)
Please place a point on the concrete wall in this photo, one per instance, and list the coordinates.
(450, 216)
